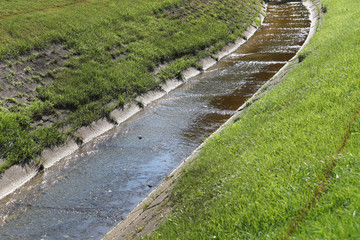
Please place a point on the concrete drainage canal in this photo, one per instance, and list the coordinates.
(89, 192)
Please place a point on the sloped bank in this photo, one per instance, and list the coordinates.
(17, 175)
(290, 166)
(158, 205)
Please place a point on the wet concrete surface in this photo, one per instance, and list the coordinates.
(89, 192)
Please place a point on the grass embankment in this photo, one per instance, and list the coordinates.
(281, 170)
(93, 56)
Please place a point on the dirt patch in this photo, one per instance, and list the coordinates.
(19, 78)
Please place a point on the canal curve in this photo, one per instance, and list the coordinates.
(89, 192)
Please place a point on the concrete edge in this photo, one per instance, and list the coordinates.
(155, 199)
(15, 177)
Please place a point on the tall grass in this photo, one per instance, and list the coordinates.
(257, 176)
(114, 48)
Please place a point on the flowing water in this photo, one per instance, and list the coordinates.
(89, 192)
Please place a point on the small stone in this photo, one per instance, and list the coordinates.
(140, 137)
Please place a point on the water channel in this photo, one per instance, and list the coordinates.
(89, 192)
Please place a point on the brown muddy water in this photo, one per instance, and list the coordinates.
(89, 192)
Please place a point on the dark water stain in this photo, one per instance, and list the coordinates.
(89, 192)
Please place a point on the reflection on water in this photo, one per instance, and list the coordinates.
(91, 191)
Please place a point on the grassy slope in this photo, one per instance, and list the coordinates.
(15, 7)
(114, 48)
(259, 175)
(336, 215)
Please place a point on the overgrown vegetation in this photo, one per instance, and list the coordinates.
(102, 52)
(281, 171)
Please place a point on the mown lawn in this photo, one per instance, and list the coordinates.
(105, 53)
(280, 171)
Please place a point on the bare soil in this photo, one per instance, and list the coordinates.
(19, 78)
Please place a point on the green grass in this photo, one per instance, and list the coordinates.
(112, 49)
(19, 144)
(255, 178)
(10, 7)
(336, 215)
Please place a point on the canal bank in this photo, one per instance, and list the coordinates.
(19, 175)
(35, 182)
(157, 206)
(85, 194)
(76, 210)
(288, 168)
